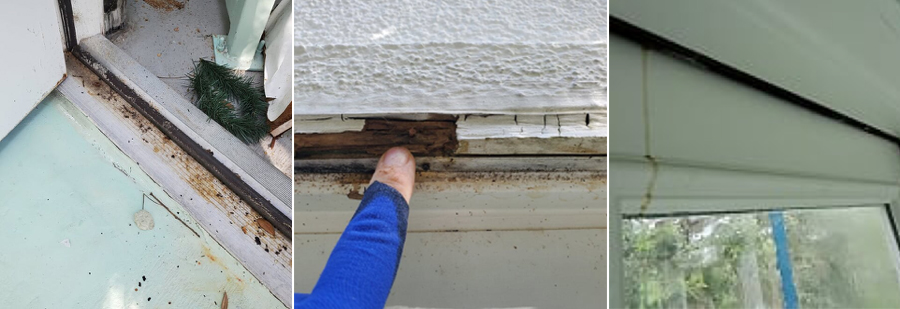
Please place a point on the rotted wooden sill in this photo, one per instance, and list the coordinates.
(422, 138)
(436, 135)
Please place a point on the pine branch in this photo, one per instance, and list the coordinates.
(230, 100)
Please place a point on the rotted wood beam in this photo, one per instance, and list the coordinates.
(425, 138)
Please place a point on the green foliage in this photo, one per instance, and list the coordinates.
(230, 100)
(841, 259)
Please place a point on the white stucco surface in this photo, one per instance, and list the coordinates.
(395, 56)
(360, 22)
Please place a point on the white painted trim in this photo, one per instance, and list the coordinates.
(694, 189)
(471, 127)
(532, 134)
(88, 15)
(279, 69)
(326, 124)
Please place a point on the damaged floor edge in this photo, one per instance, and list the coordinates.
(232, 222)
(220, 152)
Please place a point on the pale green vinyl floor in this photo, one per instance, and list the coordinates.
(67, 234)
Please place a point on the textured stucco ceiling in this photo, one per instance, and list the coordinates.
(398, 56)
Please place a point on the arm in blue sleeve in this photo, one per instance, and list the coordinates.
(363, 264)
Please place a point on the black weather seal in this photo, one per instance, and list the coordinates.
(68, 23)
(653, 41)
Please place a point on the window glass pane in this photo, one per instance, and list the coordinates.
(834, 258)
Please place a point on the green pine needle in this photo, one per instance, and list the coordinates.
(230, 100)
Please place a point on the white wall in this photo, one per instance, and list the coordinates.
(34, 58)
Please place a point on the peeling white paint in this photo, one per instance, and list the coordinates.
(521, 126)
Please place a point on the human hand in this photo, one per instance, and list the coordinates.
(397, 168)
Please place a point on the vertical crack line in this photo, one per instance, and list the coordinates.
(654, 166)
(558, 126)
(648, 194)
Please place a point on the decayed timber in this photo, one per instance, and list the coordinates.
(584, 134)
(228, 219)
(431, 138)
(251, 177)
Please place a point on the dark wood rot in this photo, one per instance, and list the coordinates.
(422, 138)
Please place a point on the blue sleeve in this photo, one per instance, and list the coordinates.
(363, 264)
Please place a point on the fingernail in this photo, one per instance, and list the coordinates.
(395, 158)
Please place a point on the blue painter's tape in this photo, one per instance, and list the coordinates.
(783, 257)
